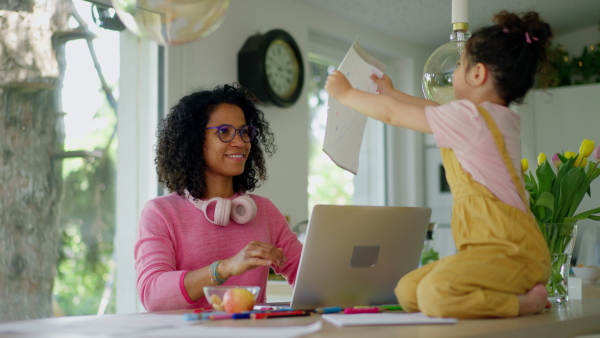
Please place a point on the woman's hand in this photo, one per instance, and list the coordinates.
(384, 84)
(253, 255)
(337, 85)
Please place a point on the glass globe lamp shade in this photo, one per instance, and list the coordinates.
(171, 22)
(438, 70)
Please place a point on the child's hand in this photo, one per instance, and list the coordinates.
(384, 84)
(337, 85)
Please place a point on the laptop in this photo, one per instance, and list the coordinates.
(355, 255)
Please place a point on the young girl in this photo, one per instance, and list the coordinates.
(502, 263)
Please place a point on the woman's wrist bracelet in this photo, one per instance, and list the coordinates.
(215, 277)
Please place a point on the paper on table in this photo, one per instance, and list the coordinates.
(238, 331)
(149, 325)
(385, 318)
(345, 127)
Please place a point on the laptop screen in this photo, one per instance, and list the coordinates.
(355, 255)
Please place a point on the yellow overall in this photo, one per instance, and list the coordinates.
(500, 251)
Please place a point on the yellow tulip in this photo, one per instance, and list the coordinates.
(586, 148)
(570, 154)
(524, 165)
(541, 158)
(580, 161)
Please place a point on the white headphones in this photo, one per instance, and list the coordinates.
(241, 209)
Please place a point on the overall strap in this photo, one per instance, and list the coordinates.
(504, 153)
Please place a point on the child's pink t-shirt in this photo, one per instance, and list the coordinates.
(174, 238)
(460, 126)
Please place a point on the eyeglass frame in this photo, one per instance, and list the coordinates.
(235, 132)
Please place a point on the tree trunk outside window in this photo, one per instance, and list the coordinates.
(31, 134)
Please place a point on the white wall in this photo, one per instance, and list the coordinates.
(213, 60)
(575, 41)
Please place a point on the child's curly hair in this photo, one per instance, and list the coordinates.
(515, 50)
(179, 158)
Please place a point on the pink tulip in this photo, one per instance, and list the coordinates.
(556, 160)
(596, 153)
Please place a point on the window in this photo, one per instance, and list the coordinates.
(328, 183)
(86, 272)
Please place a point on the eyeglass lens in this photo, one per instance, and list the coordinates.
(227, 133)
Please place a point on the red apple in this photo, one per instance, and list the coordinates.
(238, 300)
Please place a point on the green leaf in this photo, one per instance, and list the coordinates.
(586, 214)
(545, 199)
(545, 176)
(543, 208)
(569, 186)
(577, 198)
(530, 184)
(594, 218)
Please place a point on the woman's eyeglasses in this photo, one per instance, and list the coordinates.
(227, 132)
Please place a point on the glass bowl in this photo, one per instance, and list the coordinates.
(214, 294)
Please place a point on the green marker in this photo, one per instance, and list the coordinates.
(391, 307)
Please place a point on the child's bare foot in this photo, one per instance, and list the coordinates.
(534, 301)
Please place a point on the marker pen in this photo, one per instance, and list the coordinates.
(391, 307)
(279, 314)
(362, 310)
(240, 315)
(189, 317)
(220, 316)
(333, 309)
(205, 315)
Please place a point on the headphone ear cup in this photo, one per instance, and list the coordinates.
(243, 209)
(222, 211)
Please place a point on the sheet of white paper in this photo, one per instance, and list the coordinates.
(149, 325)
(238, 331)
(107, 324)
(345, 127)
(385, 318)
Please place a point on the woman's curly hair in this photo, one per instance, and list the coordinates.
(180, 162)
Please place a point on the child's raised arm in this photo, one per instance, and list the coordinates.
(385, 108)
(386, 87)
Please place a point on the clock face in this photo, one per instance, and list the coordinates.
(282, 69)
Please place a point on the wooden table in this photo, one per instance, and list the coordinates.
(575, 318)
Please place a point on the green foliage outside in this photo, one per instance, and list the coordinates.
(85, 281)
(85, 268)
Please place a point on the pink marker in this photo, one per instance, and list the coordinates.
(362, 310)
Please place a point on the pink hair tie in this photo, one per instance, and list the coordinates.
(528, 38)
(505, 30)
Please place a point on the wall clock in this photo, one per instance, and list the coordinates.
(270, 66)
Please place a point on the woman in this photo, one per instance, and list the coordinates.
(208, 231)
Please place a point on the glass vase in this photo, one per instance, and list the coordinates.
(560, 238)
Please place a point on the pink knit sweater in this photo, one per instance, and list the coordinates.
(174, 237)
